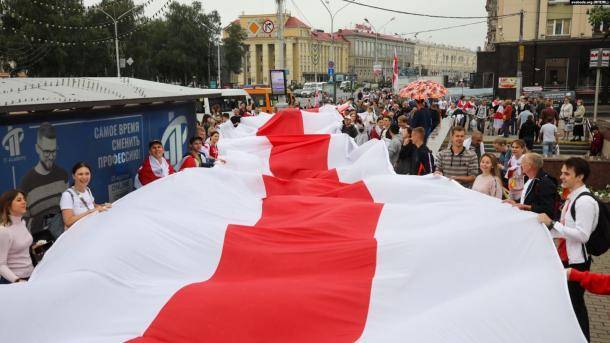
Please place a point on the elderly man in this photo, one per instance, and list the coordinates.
(540, 191)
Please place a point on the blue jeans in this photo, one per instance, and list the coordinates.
(547, 148)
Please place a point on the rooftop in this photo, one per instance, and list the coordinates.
(39, 94)
(362, 33)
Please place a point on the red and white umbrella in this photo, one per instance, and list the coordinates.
(423, 89)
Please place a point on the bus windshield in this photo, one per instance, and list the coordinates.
(227, 103)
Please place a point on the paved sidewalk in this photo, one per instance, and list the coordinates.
(599, 305)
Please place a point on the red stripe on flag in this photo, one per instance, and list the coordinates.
(300, 156)
(303, 273)
(321, 187)
(285, 122)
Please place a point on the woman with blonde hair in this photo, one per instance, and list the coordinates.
(488, 182)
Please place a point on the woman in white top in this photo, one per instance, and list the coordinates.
(488, 182)
(565, 118)
(15, 239)
(77, 201)
(514, 174)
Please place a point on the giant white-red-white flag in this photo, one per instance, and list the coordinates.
(301, 237)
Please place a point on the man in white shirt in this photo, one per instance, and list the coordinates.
(548, 136)
(523, 116)
(574, 231)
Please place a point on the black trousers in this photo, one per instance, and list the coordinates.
(577, 295)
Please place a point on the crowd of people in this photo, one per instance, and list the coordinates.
(514, 174)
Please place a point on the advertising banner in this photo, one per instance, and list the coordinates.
(37, 156)
(278, 82)
(507, 82)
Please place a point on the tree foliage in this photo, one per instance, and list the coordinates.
(57, 38)
(235, 49)
(599, 16)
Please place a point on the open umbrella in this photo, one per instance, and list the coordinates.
(423, 89)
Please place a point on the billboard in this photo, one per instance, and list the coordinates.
(38, 153)
(507, 82)
(278, 82)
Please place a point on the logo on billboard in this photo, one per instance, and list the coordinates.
(175, 136)
(12, 141)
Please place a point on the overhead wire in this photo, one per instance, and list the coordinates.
(93, 41)
(301, 12)
(101, 4)
(443, 28)
(424, 14)
(16, 14)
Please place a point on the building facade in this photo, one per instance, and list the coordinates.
(548, 66)
(443, 60)
(554, 52)
(542, 19)
(368, 49)
(307, 52)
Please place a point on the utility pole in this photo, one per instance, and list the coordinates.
(116, 34)
(333, 55)
(520, 54)
(219, 79)
(377, 38)
(280, 36)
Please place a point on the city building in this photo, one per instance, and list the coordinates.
(554, 52)
(443, 60)
(368, 49)
(542, 19)
(307, 52)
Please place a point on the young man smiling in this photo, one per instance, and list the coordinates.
(574, 231)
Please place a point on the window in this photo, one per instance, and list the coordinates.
(558, 27)
(556, 73)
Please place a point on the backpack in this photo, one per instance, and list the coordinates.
(55, 224)
(599, 241)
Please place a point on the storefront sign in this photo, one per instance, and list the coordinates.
(599, 58)
(533, 89)
(507, 82)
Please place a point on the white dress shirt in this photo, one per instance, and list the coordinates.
(577, 232)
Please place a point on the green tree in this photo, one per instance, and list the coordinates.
(599, 17)
(53, 38)
(234, 48)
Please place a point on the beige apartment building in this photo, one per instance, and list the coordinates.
(307, 51)
(542, 19)
(440, 60)
(368, 48)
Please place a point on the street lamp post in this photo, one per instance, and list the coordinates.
(332, 41)
(116, 34)
(377, 35)
(218, 80)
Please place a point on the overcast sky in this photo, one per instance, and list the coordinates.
(313, 13)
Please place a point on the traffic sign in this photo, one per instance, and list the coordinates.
(331, 65)
(268, 26)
